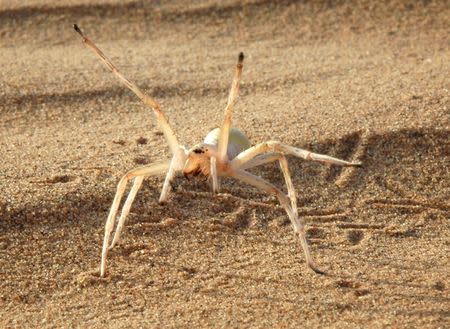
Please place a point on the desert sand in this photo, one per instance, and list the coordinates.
(358, 80)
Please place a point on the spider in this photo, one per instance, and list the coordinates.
(225, 152)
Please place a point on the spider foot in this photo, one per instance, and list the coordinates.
(316, 269)
(112, 245)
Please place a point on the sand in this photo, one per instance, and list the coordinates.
(358, 80)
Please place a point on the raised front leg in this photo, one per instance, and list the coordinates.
(162, 121)
(234, 92)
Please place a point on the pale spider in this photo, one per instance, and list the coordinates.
(224, 152)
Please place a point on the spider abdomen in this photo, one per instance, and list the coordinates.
(237, 141)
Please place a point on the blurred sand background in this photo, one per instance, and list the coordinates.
(359, 80)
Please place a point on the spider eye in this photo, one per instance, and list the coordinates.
(199, 151)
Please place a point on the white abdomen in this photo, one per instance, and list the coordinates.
(237, 141)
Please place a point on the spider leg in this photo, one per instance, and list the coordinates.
(138, 173)
(137, 182)
(234, 92)
(273, 146)
(162, 121)
(214, 176)
(271, 157)
(166, 186)
(290, 187)
(299, 228)
(176, 164)
(259, 160)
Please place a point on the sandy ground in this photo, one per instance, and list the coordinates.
(359, 80)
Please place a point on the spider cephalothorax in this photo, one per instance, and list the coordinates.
(199, 160)
(199, 157)
(224, 152)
